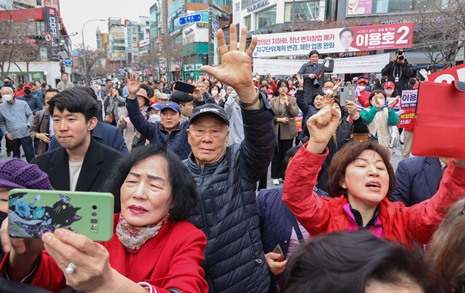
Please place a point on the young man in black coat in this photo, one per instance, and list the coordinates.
(81, 163)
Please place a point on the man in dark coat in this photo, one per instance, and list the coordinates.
(417, 179)
(226, 176)
(81, 163)
(313, 74)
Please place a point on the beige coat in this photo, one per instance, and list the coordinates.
(288, 130)
(379, 126)
(129, 128)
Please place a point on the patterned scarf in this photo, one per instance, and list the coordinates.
(134, 237)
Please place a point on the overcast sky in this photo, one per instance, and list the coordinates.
(76, 12)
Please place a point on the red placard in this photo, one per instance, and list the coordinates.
(449, 74)
(298, 122)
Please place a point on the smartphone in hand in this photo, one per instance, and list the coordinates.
(31, 213)
(279, 251)
(184, 87)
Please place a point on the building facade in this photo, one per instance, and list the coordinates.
(135, 33)
(39, 41)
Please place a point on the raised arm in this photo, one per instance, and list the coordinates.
(300, 96)
(146, 128)
(330, 67)
(259, 142)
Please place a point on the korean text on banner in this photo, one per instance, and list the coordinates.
(359, 38)
(372, 63)
(408, 103)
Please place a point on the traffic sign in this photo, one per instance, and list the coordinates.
(48, 37)
(68, 63)
(190, 19)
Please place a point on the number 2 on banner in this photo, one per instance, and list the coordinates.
(403, 39)
(374, 38)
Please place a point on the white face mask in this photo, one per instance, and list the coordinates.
(154, 118)
(389, 92)
(7, 98)
(361, 88)
(214, 93)
(328, 92)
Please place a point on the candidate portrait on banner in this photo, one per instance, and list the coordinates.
(346, 36)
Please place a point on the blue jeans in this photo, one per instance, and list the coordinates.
(26, 143)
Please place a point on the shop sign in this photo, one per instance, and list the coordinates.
(189, 67)
(53, 27)
(257, 5)
(350, 39)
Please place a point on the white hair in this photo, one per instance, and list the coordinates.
(7, 88)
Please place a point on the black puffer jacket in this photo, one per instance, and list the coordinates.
(227, 211)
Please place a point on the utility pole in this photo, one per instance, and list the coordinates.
(210, 32)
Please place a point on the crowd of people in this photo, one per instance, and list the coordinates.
(184, 169)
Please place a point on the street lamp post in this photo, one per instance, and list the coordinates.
(84, 71)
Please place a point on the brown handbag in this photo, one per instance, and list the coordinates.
(361, 137)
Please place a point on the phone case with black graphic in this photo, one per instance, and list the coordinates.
(31, 213)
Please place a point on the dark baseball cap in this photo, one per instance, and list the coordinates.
(170, 105)
(209, 109)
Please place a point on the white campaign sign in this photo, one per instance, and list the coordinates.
(372, 64)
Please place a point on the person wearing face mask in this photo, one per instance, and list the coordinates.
(216, 94)
(379, 117)
(15, 121)
(16, 173)
(132, 137)
(361, 93)
(7, 82)
(32, 100)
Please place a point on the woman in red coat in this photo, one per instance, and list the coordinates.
(153, 248)
(361, 179)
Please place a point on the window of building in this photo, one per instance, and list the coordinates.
(39, 2)
(265, 18)
(301, 11)
(248, 22)
(356, 7)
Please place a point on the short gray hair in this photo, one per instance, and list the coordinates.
(7, 88)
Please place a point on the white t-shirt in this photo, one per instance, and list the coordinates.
(74, 171)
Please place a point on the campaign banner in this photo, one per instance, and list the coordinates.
(408, 104)
(372, 63)
(449, 74)
(349, 39)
